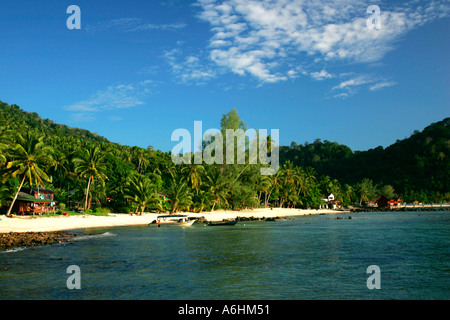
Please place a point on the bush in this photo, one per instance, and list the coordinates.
(103, 210)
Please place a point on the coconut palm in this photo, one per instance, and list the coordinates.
(5, 194)
(142, 192)
(266, 187)
(194, 174)
(179, 195)
(29, 158)
(218, 186)
(349, 193)
(288, 179)
(202, 199)
(2, 158)
(59, 166)
(90, 164)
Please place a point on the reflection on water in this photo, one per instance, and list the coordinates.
(311, 257)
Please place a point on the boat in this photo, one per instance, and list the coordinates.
(187, 223)
(223, 223)
(174, 219)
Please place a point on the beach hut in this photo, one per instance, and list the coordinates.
(381, 201)
(35, 201)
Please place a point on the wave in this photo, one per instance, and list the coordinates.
(95, 236)
(13, 250)
(85, 237)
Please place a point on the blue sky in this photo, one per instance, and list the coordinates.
(138, 70)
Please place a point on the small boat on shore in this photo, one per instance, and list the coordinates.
(174, 219)
(223, 223)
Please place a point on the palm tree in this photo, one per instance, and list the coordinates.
(4, 194)
(288, 179)
(90, 165)
(366, 190)
(349, 193)
(194, 174)
(217, 186)
(2, 158)
(97, 193)
(266, 187)
(363, 194)
(142, 192)
(202, 199)
(59, 166)
(28, 159)
(179, 195)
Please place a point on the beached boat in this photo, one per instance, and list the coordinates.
(174, 219)
(223, 223)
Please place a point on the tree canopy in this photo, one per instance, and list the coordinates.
(90, 173)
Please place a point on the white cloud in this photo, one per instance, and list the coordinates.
(358, 81)
(383, 84)
(342, 95)
(354, 82)
(130, 25)
(252, 37)
(322, 75)
(189, 70)
(81, 117)
(112, 98)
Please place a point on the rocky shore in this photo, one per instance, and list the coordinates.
(30, 239)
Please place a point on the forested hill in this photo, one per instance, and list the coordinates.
(14, 114)
(418, 164)
(87, 171)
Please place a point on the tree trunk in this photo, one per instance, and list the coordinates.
(214, 204)
(87, 194)
(241, 172)
(15, 197)
(174, 207)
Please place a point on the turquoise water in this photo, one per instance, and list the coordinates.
(310, 257)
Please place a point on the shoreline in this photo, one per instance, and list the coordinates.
(62, 223)
(31, 231)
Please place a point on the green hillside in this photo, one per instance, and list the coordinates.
(92, 174)
(417, 167)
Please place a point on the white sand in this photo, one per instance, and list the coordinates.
(39, 224)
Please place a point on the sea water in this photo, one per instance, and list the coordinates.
(307, 257)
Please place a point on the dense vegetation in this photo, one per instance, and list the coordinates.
(418, 167)
(92, 174)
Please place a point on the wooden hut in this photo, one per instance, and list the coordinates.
(35, 201)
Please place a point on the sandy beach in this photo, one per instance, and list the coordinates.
(41, 224)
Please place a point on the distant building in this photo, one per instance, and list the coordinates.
(382, 202)
(395, 202)
(32, 201)
(331, 203)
